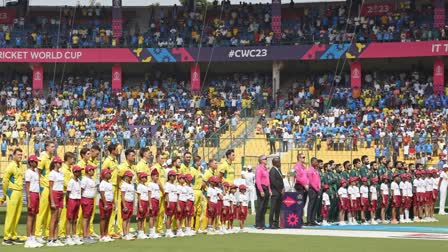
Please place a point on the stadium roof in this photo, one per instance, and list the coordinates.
(149, 2)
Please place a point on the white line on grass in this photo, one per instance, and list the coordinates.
(350, 233)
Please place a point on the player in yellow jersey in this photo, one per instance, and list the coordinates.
(95, 151)
(176, 165)
(210, 172)
(227, 169)
(111, 163)
(43, 168)
(160, 159)
(66, 169)
(193, 170)
(12, 189)
(84, 153)
(127, 164)
(143, 165)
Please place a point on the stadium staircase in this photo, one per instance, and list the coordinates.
(231, 138)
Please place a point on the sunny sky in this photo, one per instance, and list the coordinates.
(146, 2)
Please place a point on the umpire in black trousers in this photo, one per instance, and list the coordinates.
(277, 189)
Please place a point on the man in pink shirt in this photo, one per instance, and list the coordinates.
(313, 192)
(263, 188)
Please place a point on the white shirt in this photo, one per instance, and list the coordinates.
(226, 200)
(190, 193)
(325, 199)
(403, 188)
(374, 194)
(89, 187)
(428, 184)
(444, 178)
(128, 190)
(108, 190)
(171, 190)
(342, 192)
(74, 187)
(357, 193)
(32, 177)
(419, 185)
(364, 190)
(143, 191)
(58, 180)
(351, 192)
(384, 188)
(249, 178)
(154, 189)
(435, 183)
(212, 193)
(219, 192)
(408, 189)
(243, 200)
(232, 198)
(183, 192)
(395, 188)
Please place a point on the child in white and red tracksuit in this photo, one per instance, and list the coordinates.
(155, 190)
(181, 214)
(407, 196)
(171, 205)
(373, 200)
(127, 203)
(396, 197)
(143, 204)
(243, 201)
(226, 207)
(73, 199)
(325, 205)
(353, 192)
(233, 205)
(189, 210)
(384, 191)
(364, 206)
(343, 203)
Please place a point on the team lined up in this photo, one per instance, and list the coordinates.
(370, 193)
(61, 197)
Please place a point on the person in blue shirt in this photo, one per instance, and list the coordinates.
(428, 149)
(4, 147)
(377, 153)
(418, 150)
(296, 139)
(377, 136)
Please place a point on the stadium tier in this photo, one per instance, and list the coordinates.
(221, 25)
(162, 113)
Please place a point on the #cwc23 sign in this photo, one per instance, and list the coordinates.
(227, 54)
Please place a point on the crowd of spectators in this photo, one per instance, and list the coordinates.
(395, 115)
(221, 25)
(156, 111)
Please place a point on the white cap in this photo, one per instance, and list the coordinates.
(169, 162)
(445, 166)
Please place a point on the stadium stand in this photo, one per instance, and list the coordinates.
(222, 25)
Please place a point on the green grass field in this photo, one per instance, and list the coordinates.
(259, 243)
